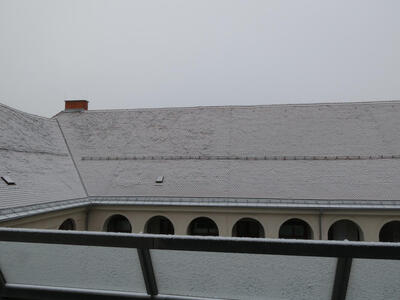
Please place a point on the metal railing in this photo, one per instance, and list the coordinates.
(344, 251)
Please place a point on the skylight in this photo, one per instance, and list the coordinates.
(160, 179)
(8, 180)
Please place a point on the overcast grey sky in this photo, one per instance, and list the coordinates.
(144, 53)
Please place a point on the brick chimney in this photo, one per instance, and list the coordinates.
(76, 105)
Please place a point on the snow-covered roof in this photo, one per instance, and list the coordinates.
(34, 154)
(347, 152)
(323, 151)
(346, 129)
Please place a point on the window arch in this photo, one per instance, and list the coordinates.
(159, 225)
(118, 223)
(68, 224)
(345, 230)
(203, 226)
(295, 229)
(248, 227)
(390, 232)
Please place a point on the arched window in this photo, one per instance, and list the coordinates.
(159, 225)
(117, 223)
(203, 226)
(68, 224)
(345, 230)
(248, 227)
(295, 229)
(390, 232)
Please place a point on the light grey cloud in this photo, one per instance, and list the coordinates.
(128, 54)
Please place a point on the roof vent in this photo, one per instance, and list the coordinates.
(76, 105)
(8, 180)
(160, 179)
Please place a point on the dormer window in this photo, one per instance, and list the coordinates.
(8, 180)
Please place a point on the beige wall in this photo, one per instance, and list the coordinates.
(182, 216)
(51, 220)
(370, 222)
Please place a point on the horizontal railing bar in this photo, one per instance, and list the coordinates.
(22, 291)
(207, 244)
(175, 297)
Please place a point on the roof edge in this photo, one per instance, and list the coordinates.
(8, 214)
(316, 104)
(23, 112)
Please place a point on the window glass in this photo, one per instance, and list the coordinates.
(203, 226)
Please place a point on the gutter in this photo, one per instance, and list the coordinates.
(8, 214)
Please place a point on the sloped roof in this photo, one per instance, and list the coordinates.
(317, 154)
(315, 151)
(34, 154)
(315, 129)
(375, 179)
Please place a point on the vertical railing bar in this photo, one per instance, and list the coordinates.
(343, 268)
(2, 284)
(148, 271)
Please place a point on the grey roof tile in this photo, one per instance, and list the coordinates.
(357, 130)
(34, 154)
(201, 154)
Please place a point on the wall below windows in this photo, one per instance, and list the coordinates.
(369, 222)
(51, 220)
(94, 218)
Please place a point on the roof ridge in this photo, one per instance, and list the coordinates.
(72, 158)
(316, 104)
(23, 112)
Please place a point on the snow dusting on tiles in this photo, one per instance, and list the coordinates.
(332, 130)
(34, 154)
(207, 155)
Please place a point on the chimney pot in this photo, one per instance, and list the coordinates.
(76, 105)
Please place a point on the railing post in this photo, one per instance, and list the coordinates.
(148, 271)
(342, 276)
(2, 285)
